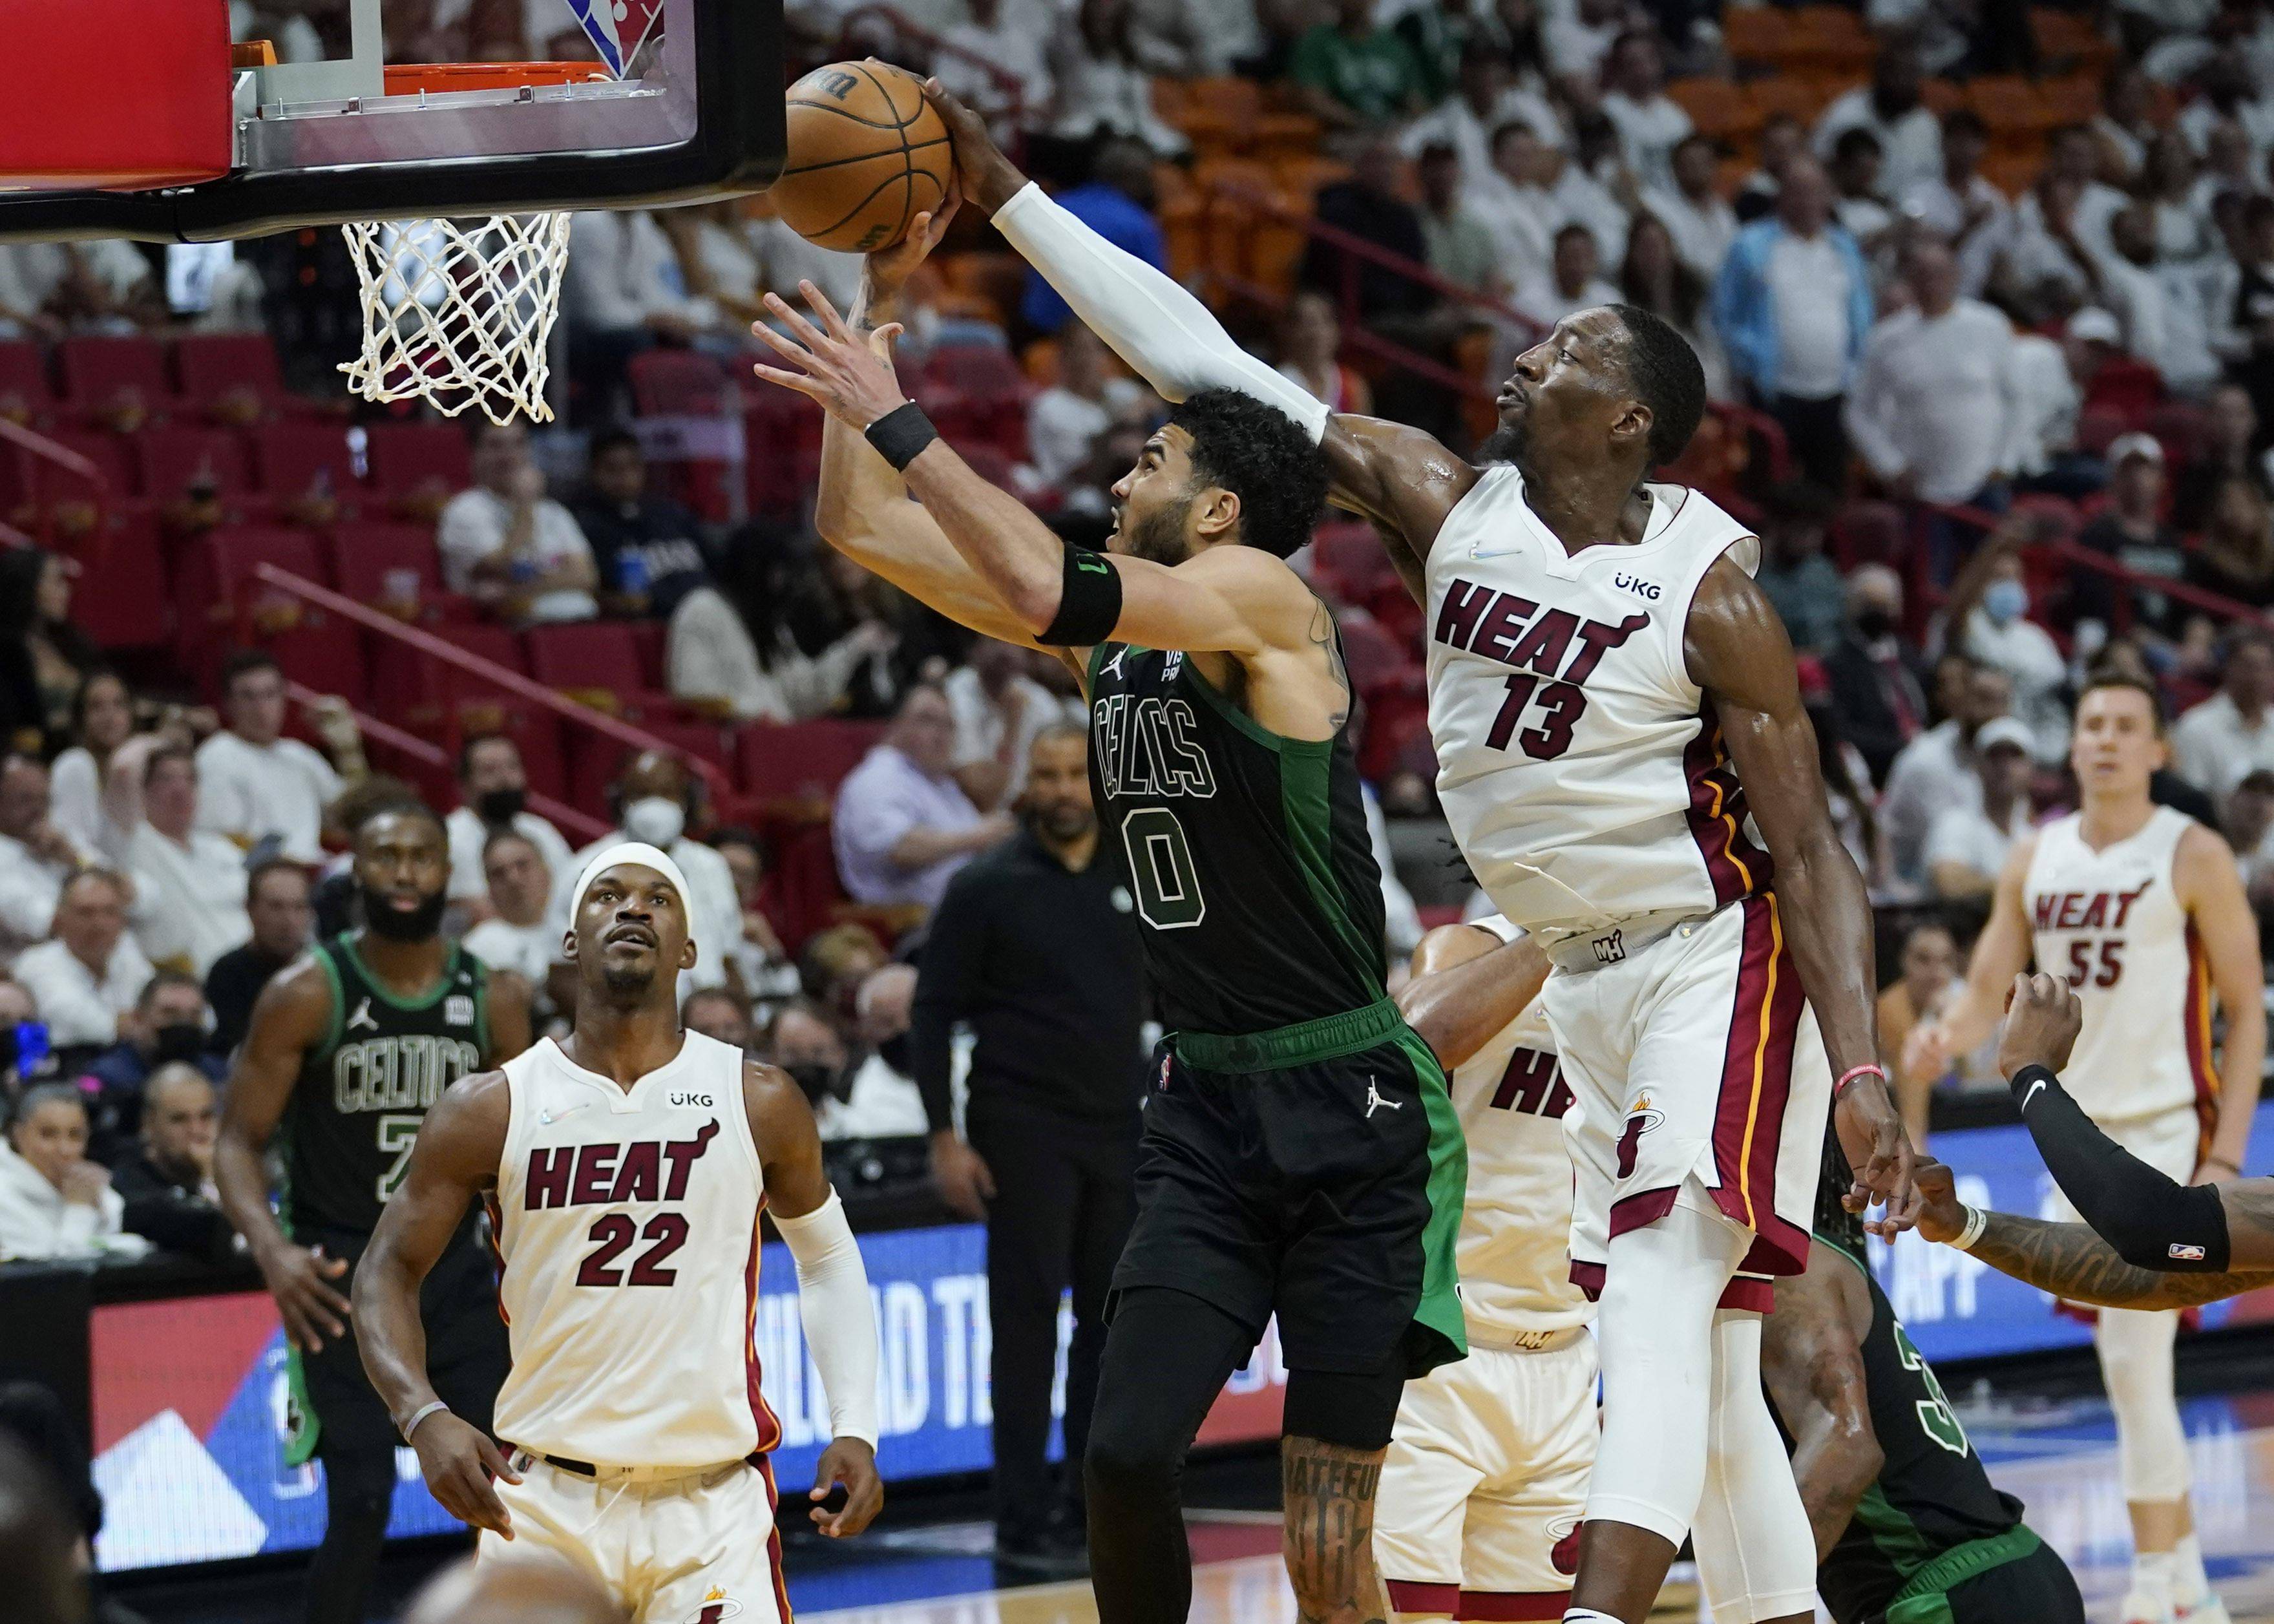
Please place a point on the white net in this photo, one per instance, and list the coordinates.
(458, 312)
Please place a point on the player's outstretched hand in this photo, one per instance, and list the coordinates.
(850, 374)
(990, 179)
(1941, 1217)
(311, 1309)
(459, 1462)
(851, 1462)
(890, 268)
(1871, 1134)
(2043, 1017)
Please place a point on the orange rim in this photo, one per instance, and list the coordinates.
(409, 78)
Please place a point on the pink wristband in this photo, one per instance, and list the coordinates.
(1849, 1076)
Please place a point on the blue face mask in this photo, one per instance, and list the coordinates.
(2005, 601)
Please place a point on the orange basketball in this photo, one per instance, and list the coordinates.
(867, 154)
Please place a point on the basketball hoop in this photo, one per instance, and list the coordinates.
(458, 313)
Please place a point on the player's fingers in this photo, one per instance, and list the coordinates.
(493, 1462)
(766, 334)
(880, 341)
(489, 1510)
(810, 335)
(804, 385)
(826, 310)
(334, 1300)
(333, 1266)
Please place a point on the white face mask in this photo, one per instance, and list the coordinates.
(655, 820)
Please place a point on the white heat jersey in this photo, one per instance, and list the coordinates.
(1514, 1251)
(1583, 776)
(2112, 922)
(627, 1225)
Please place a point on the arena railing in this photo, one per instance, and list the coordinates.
(37, 460)
(456, 663)
(1245, 210)
(2064, 554)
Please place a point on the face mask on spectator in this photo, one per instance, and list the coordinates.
(501, 806)
(1873, 623)
(814, 1078)
(2005, 601)
(184, 1040)
(655, 820)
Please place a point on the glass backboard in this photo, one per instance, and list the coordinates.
(338, 110)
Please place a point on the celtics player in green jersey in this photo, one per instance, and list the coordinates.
(1909, 1528)
(1300, 1157)
(347, 1050)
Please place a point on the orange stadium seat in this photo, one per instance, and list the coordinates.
(2072, 101)
(2009, 102)
(1755, 34)
(1788, 93)
(1716, 107)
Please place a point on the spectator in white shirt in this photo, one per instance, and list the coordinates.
(2047, 402)
(1487, 98)
(493, 788)
(1692, 209)
(1960, 206)
(1063, 420)
(2179, 207)
(35, 856)
(1857, 204)
(2127, 120)
(2229, 91)
(510, 546)
(1574, 282)
(880, 1101)
(102, 719)
(1514, 203)
(999, 711)
(2231, 734)
(1102, 88)
(189, 881)
(1650, 124)
(90, 973)
(54, 1202)
(733, 252)
(1595, 189)
(2159, 305)
(516, 935)
(2061, 224)
(1936, 769)
(1909, 137)
(1936, 404)
(1998, 632)
(254, 784)
(1967, 844)
(903, 826)
(1012, 46)
(622, 291)
(1579, 36)
(651, 797)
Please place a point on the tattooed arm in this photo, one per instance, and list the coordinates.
(2071, 1261)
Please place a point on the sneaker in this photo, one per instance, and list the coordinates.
(2209, 1610)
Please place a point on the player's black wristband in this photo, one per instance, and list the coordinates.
(901, 434)
(2152, 1219)
(1089, 602)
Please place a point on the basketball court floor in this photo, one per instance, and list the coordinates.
(2058, 1456)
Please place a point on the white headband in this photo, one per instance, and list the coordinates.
(629, 851)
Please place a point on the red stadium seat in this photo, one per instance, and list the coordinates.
(796, 762)
(99, 373)
(595, 759)
(107, 452)
(175, 460)
(133, 609)
(416, 690)
(1349, 561)
(297, 460)
(365, 554)
(667, 383)
(589, 658)
(407, 457)
(211, 367)
(1871, 533)
(1378, 663)
(26, 395)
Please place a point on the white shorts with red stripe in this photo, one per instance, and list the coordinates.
(1486, 1481)
(700, 1548)
(1694, 1056)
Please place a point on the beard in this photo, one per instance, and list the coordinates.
(1159, 536)
(1504, 444)
(418, 925)
(626, 981)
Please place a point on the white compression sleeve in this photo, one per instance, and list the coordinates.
(1141, 313)
(840, 1320)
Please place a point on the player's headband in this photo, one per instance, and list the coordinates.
(629, 851)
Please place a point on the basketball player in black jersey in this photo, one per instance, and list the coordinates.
(348, 1049)
(1909, 1528)
(1300, 1155)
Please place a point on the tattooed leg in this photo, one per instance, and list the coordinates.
(1328, 1499)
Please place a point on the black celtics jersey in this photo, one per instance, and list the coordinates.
(1932, 1494)
(365, 1089)
(1247, 853)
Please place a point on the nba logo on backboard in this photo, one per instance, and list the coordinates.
(617, 28)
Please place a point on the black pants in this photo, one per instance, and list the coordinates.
(2038, 1587)
(1816, 436)
(466, 1360)
(1064, 1197)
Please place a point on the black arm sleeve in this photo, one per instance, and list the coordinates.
(1089, 605)
(2153, 1220)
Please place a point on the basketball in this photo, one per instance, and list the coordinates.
(866, 155)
